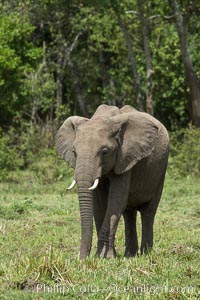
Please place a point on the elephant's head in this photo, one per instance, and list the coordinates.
(112, 140)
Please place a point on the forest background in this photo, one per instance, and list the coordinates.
(62, 58)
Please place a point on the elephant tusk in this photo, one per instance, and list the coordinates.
(96, 182)
(72, 185)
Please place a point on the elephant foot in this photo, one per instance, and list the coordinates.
(105, 251)
(131, 252)
(146, 248)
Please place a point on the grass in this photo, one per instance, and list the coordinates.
(40, 236)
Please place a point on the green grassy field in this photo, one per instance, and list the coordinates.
(39, 245)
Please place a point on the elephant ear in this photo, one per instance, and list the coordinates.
(137, 138)
(65, 138)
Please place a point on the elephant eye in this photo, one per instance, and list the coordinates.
(105, 150)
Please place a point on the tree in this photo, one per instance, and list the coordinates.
(131, 57)
(18, 58)
(147, 52)
(63, 58)
(190, 75)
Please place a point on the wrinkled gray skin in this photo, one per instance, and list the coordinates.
(128, 151)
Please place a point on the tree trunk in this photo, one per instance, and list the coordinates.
(78, 90)
(59, 84)
(107, 80)
(63, 58)
(104, 75)
(190, 75)
(147, 52)
(131, 57)
(113, 100)
(60, 41)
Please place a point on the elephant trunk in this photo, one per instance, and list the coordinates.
(85, 177)
(86, 213)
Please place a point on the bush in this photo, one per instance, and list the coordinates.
(33, 148)
(49, 168)
(31, 140)
(9, 156)
(184, 155)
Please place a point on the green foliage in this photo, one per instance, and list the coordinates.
(48, 168)
(185, 159)
(40, 89)
(169, 86)
(9, 157)
(54, 64)
(18, 58)
(31, 139)
(46, 74)
(32, 148)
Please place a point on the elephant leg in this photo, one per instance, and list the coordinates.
(100, 204)
(117, 201)
(148, 212)
(147, 217)
(131, 244)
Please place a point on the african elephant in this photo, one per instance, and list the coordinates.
(120, 158)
